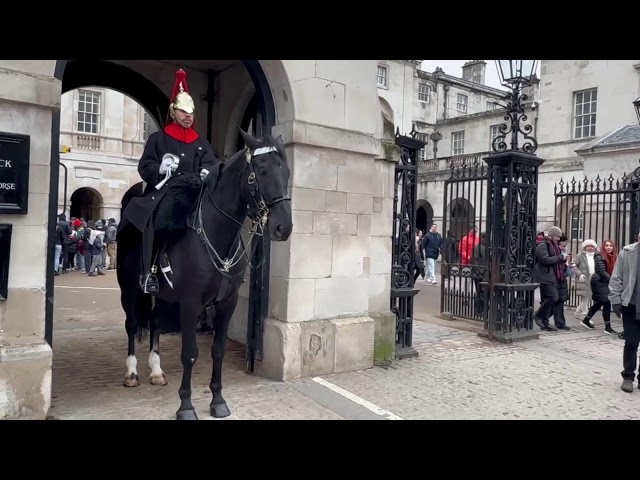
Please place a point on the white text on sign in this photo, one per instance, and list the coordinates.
(5, 163)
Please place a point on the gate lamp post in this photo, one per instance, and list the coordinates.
(515, 74)
(636, 104)
(512, 207)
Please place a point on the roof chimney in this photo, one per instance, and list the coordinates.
(474, 71)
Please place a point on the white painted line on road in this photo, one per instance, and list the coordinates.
(86, 288)
(356, 399)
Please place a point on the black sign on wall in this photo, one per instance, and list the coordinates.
(14, 173)
(5, 251)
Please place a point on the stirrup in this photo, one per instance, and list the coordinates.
(149, 284)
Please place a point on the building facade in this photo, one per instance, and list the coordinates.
(581, 116)
(105, 131)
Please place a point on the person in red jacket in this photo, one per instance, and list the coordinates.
(467, 243)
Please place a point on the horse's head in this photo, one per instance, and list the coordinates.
(267, 182)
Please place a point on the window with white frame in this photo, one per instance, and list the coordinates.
(463, 100)
(585, 113)
(382, 76)
(577, 224)
(494, 131)
(88, 112)
(422, 153)
(145, 126)
(148, 126)
(491, 105)
(424, 92)
(457, 143)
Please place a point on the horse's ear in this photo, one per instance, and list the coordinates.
(249, 141)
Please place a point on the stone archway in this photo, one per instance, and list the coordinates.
(332, 146)
(215, 87)
(86, 203)
(424, 215)
(461, 217)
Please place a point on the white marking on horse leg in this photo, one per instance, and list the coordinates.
(157, 375)
(132, 363)
(131, 378)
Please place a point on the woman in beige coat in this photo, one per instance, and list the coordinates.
(584, 267)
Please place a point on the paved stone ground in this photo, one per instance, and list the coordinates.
(564, 375)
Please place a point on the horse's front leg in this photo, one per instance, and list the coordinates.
(157, 375)
(218, 407)
(189, 312)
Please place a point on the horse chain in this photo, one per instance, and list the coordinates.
(227, 263)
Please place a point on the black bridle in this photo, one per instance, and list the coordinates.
(258, 214)
(261, 203)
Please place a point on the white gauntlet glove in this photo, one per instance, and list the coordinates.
(168, 162)
(203, 174)
(582, 278)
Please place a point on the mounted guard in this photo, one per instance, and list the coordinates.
(174, 163)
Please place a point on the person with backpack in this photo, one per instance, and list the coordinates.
(111, 243)
(96, 244)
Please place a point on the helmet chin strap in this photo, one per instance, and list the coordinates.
(174, 117)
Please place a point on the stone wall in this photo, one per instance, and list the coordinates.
(29, 97)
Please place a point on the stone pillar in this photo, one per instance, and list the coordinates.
(334, 270)
(512, 206)
(29, 103)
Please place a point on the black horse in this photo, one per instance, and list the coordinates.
(208, 261)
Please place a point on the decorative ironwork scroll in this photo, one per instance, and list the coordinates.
(515, 116)
(404, 234)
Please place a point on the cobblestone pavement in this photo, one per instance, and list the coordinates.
(458, 375)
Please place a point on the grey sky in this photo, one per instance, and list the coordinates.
(454, 67)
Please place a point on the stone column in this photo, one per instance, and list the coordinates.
(29, 102)
(334, 270)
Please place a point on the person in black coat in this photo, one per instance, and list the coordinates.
(169, 153)
(432, 246)
(604, 261)
(549, 271)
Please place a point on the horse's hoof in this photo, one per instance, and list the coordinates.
(219, 410)
(131, 380)
(186, 414)
(160, 380)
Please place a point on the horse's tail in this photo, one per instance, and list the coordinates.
(143, 316)
(137, 305)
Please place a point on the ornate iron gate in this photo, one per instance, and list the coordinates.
(404, 244)
(463, 265)
(597, 209)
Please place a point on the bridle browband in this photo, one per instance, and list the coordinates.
(254, 188)
(259, 219)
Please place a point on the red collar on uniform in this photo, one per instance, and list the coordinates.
(186, 135)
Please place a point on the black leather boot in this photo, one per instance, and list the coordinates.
(149, 281)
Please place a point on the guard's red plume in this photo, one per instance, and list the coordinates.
(181, 78)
